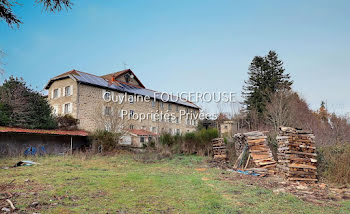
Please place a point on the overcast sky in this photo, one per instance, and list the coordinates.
(188, 45)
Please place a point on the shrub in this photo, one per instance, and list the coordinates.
(166, 139)
(67, 122)
(198, 142)
(334, 163)
(104, 141)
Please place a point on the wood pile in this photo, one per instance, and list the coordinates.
(219, 149)
(257, 149)
(297, 154)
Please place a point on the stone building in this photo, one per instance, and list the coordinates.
(117, 102)
(228, 128)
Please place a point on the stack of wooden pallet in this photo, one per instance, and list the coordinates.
(297, 154)
(258, 150)
(219, 149)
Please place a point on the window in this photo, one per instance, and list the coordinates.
(178, 131)
(67, 91)
(107, 95)
(55, 110)
(131, 99)
(55, 93)
(170, 132)
(161, 105)
(177, 119)
(153, 103)
(107, 111)
(127, 78)
(142, 139)
(169, 106)
(187, 110)
(177, 108)
(154, 129)
(170, 119)
(67, 108)
(131, 126)
(131, 113)
(108, 127)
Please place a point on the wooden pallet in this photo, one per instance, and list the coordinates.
(297, 154)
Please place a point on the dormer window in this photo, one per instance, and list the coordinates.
(127, 78)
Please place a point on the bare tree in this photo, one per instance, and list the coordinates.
(278, 111)
(108, 116)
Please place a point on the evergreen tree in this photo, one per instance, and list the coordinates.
(21, 106)
(266, 76)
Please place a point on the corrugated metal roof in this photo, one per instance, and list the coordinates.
(42, 131)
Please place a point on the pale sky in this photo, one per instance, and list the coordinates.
(197, 45)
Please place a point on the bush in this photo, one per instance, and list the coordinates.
(166, 139)
(104, 141)
(67, 122)
(334, 163)
(198, 142)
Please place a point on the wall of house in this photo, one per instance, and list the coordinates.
(132, 81)
(87, 106)
(91, 104)
(63, 99)
(16, 143)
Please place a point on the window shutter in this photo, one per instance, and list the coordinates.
(103, 93)
(70, 108)
(64, 92)
(52, 93)
(103, 110)
(59, 92)
(63, 109)
(71, 90)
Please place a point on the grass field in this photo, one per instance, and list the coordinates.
(122, 184)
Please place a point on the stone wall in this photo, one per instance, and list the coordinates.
(88, 105)
(61, 99)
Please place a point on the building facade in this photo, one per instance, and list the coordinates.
(119, 101)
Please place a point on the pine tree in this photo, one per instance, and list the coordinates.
(266, 76)
(23, 107)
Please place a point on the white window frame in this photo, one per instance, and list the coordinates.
(55, 95)
(70, 87)
(69, 108)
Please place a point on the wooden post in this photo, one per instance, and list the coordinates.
(71, 145)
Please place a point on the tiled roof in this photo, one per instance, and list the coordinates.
(115, 74)
(42, 131)
(141, 132)
(119, 73)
